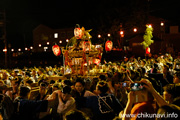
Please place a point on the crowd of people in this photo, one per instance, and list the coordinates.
(134, 88)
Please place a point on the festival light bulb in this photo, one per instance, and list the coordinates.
(121, 32)
(5, 50)
(162, 23)
(150, 26)
(135, 29)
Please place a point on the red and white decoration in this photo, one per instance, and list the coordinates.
(108, 45)
(96, 61)
(78, 33)
(56, 50)
(148, 50)
(86, 46)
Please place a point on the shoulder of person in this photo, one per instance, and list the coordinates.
(71, 100)
(88, 93)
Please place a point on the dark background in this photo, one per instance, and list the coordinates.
(22, 16)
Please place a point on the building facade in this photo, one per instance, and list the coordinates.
(44, 37)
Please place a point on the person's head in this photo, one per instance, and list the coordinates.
(141, 109)
(40, 71)
(88, 83)
(67, 82)
(143, 62)
(155, 68)
(66, 91)
(168, 110)
(109, 74)
(142, 71)
(102, 77)
(15, 83)
(75, 115)
(168, 93)
(24, 92)
(165, 68)
(52, 82)
(27, 73)
(5, 75)
(79, 85)
(43, 88)
(47, 69)
(55, 87)
(28, 81)
(102, 87)
(176, 78)
(118, 77)
(33, 72)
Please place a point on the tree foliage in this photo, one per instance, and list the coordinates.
(147, 37)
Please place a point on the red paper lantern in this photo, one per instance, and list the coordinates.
(148, 50)
(108, 45)
(86, 46)
(96, 61)
(78, 33)
(56, 50)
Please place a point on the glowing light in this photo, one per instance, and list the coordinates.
(150, 26)
(67, 40)
(135, 29)
(45, 48)
(26, 48)
(4, 50)
(78, 33)
(31, 47)
(12, 50)
(162, 23)
(108, 45)
(47, 43)
(60, 41)
(109, 35)
(19, 49)
(56, 50)
(99, 36)
(55, 35)
(148, 50)
(121, 32)
(39, 45)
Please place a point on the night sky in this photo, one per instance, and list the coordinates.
(22, 16)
